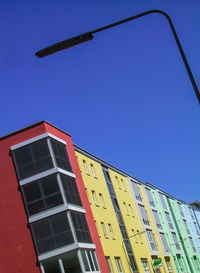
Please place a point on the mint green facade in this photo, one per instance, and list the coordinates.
(170, 230)
(181, 226)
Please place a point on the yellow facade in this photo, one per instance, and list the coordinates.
(105, 217)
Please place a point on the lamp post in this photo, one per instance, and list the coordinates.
(84, 37)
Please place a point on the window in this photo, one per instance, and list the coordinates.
(32, 159)
(136, 191)
(167, 260)
(117, 180)
(180, 263)
(150, 198)
(111, 231)
(51, 265)
(157, 220)
(181, 211)
(144, 215)
(145, 265)
(93, 170)
(134, 236)
(104, 230)
(95, 199)
(197, 231)
(162, 201)
(106, 175)
(169, 220)
(186, 227)
(61, 156)
(123, 184)
(151, 240)
(175, 240)
(118, 264)
(130, 209)
(164, 242)
(89, 260)
(109, 265)
(102, 201)
(197, 264)
(85, 167)
(191, 213)
(42, 194)
(71, 190)
(81, 227)
(192, 244)
(51, 232)
(125, 208)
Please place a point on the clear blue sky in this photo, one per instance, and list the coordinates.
(125, 96)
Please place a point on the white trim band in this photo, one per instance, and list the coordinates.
(43, 174)
(55, 210)
(65, 249)
(31, 140)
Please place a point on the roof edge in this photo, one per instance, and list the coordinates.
(30, 126)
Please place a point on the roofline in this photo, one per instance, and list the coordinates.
(31, 126)
(101, 161)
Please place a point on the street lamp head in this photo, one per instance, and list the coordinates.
(88, 36)
(64, 44)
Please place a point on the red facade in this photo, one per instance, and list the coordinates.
(16, 248)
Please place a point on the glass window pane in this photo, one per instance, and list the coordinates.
(35, 207)
(150, 198)
(42, 194)
(32, 192)
(32, 159)
(52, 232)
(163, 201)
(85, 261)
(61, 155)
(81, 227)
(71, 190)
(51, 266)
(90, 260)
(95, 260)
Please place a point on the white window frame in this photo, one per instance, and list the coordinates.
(104, 230)
(102, 200)
(145, 264)
(125, 208)
(109, 264)
(111, 231)
(119, 265)
(123, 185)
(131, 210)
(93, 170)
(85, 167)
(94, 198)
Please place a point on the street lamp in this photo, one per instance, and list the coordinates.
(89, 36)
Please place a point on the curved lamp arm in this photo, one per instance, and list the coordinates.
(89, 36)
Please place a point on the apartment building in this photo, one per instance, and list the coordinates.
(64, 210)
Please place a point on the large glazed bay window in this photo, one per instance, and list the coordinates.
(52, 232)
(42, 194)
(53, 205)
(45, 193)
(40, 156)
(33, 158)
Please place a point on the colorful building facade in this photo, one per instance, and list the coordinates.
(64, 210)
